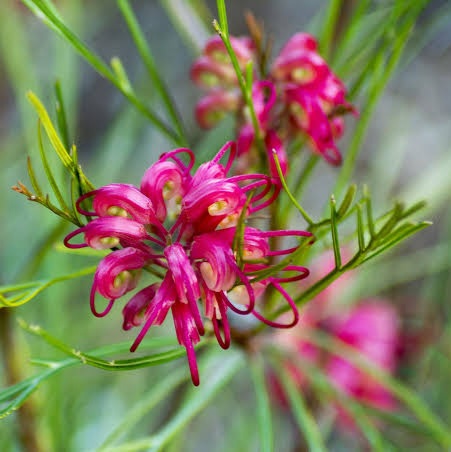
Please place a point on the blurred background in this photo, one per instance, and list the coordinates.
(406, 155)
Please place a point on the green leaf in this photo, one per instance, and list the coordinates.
(238, 238)
(222, 14)
(305, 420)
(398, 419)
(20, 392)
(329, 27)
(392, 221)
(114, 364)
(55, 140)
(369, 212)
(376, 245)
(151, 66)
(121, 75)
(304, 214)
(191, 19)
(19, 294)
(397, 237)
(359, 15)
(379, 69)
(327, 392)
(49, 174)
(360, 229)
(218, 369)
(347, 201)
(55, 22)
(263, 410)
(34, 182)
(19, 400)
(58, 145)
(334, 233)
(91, 252)
(246, 90)
(61, 116)
(157, 393)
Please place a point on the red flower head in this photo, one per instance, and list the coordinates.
(300, 95)
(182, 226)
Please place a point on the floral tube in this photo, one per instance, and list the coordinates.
(117, 274)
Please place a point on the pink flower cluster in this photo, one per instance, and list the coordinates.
(183, 228)
(371, 327)
(300, 95)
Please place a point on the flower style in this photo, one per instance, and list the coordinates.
(182, 227)
(371, 327)
(299, 95)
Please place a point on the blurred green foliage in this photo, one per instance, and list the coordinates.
(85, 408)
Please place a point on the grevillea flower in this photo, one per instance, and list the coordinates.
(214, 72)
(214, 68)
(298, 95)
(312, 94)
(182, 225)
(371, 327)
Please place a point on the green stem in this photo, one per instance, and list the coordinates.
(305, 420)
(383, 71)
(263, 406)
(157, 393)
(329, 28)
(149, 62)
(246, 88)
(303, 212)
(54, 22)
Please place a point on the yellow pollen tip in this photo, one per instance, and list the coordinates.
(217, 208)
(116, 211)
(168, 189)
(109, 242)
(302, 75)
(209, 79)
(123, 278)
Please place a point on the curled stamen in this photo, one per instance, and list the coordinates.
(230, 145)
(224, 342)
(285, 233)
(250, 295)
(68, 237)
(173, 155)
(262, 181)
(290, 301)
(92, 298)
(303, 273)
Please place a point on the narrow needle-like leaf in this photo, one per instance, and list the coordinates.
(334, 232)
(263, 410)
